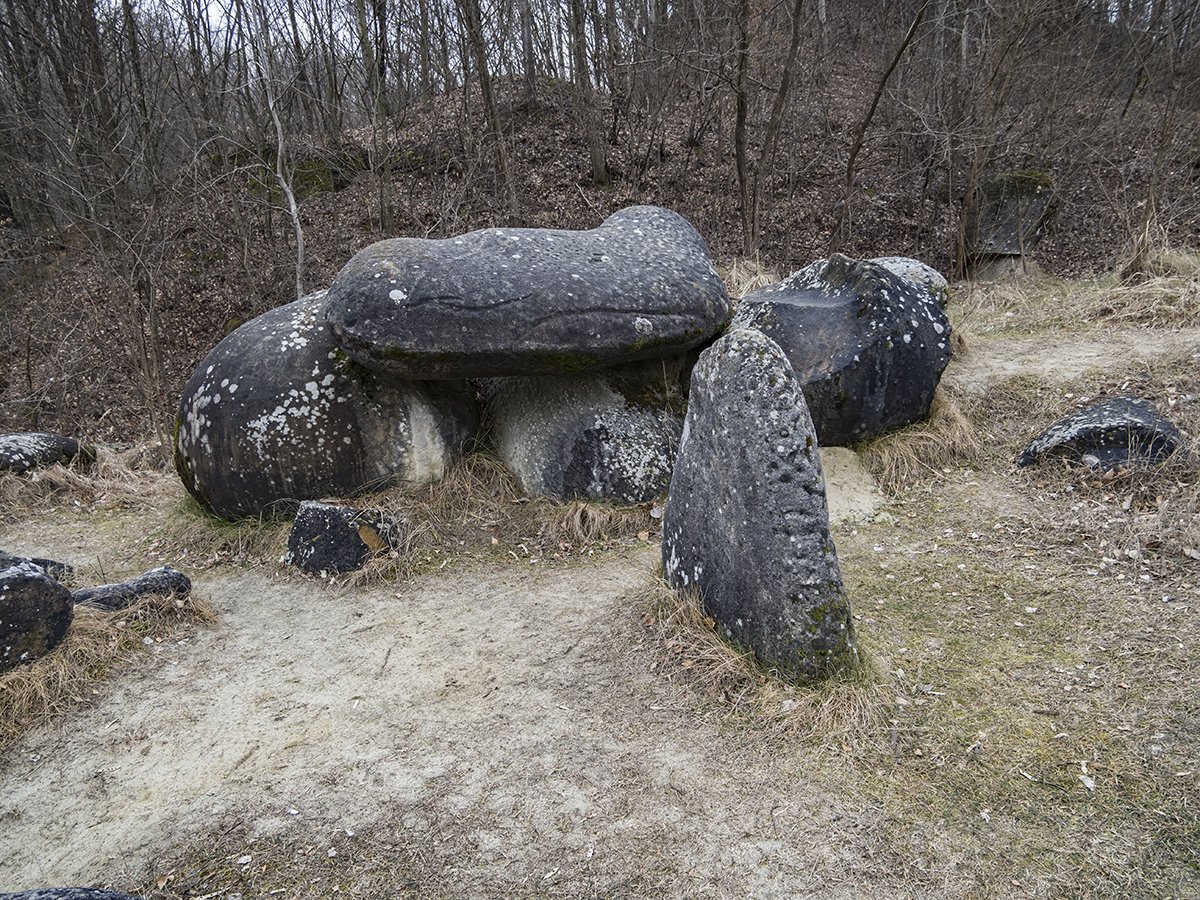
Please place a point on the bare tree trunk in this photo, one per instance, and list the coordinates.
(584, 97)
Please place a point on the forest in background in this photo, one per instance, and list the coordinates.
(169, 170)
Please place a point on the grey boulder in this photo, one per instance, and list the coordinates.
(1111, 434)
(327, 539)
(164, 581)
(33, 449)
(277, 414)
(35, 613)
(747, 524)
(527, 301)
(868, 346)
(607, 436)
(917, 272)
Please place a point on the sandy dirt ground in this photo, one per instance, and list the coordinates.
(507, 724)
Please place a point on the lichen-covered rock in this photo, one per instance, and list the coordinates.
(164, 580)
(59, 571)
(529, 301)
(868, 346)
(68, 894)
(33, 449)
(1111, 434)
(1009, 214)
(918, 273)
(327, 539)
(277, 414)
(35, 613)
(746, 523)
(611, 435)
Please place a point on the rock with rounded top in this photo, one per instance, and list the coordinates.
(1112, 434)
(868, 346)
(530, 301)
(277, 414)
(35, 613)
(59, 571)
(328, 539)
(746, 524)
(611, 435)
(917, 272)
(34, 449)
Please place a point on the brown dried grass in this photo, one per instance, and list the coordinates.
(745, 275)
(946, 439)
(97, 644)
(837, 714)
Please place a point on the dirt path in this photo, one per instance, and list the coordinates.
(511, 713)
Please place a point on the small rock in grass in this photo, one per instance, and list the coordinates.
(163, 580)
(1111, 434)
(33, 449)
(35, 613)
(59, 571)
(327, 539)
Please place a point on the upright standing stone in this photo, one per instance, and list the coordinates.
(530, 301)
(746, 523)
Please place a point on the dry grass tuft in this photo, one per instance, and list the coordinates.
(850, 713)
(745, 275)
(114, 480)
(947, 438)
(1150, 255)
(96, 644)
(193, 535)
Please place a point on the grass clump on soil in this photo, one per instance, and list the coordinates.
(744, 275)
(945, 438)
(97, 644)
(836, 714)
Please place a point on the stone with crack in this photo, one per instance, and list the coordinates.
(35, 613)
(35, 449)
(746, 524)
(611, 435)
(530, 301)
(327, 539)
(1112, 434)
(277, 414)
(868, 346)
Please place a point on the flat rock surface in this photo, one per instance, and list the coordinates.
(525, 301)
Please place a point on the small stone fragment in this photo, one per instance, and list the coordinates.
(35, 613)
(1111, 434)
(35, 449)
(327, 539)
(747, 524)
(163, 580)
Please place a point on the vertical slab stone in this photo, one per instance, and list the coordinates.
(747, 523)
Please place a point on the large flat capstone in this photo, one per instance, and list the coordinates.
(746, 523)
(277, 414)
(528, 301)
(868, 346)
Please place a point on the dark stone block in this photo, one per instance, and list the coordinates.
(1112, 434)
(59, 571)
(746, 523)
(527, 301)
(34, 449)
(1009, 215)
(869, 347)
(331, 540)
(163, 580)
(607, 436)
(276, 414)
(35, 613)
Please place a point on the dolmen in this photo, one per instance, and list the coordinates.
(572, 339)
(1120, 433)
(867, 345)
(1005, 222)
